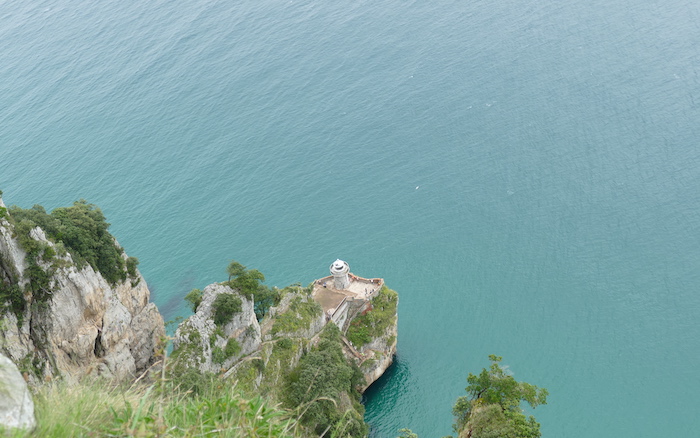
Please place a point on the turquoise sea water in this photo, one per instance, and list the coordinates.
(524, 173)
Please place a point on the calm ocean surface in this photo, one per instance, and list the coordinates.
(525, 174)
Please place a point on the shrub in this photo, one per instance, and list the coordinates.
(232, 348)
(218, 355)
(12, 298)
(131, 264)
(492, 406)
(11, 294)
(194, 297)
(284, 343)
(225, 306)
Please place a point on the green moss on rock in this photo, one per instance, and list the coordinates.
(374, 323)
(298, 317)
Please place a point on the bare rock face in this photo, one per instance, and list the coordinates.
(85, 327)
(16, 405)
(378, 355)
(12, 260)
(200, 343)
(89, 322)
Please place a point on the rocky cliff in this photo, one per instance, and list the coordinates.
(62, 318)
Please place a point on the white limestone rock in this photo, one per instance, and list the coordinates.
(16, 405)
(196, 337)
(86, 327)
(379, 354)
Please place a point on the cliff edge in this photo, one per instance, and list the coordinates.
(59, 315)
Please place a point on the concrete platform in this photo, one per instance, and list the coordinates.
(330, 298)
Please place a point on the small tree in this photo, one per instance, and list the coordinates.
(249, 283)
(234, 269)
(492, 407)
(194, 297)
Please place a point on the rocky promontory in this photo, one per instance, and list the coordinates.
(326, 341)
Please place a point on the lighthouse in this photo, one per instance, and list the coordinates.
(339, 271)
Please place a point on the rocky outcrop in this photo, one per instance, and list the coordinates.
(16, 405)
(377, 356)
(84, 327)
(201, 343)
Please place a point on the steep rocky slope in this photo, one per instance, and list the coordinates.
(75, 323)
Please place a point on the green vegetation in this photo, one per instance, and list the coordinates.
(32, 364)
(131, 264)
(232, 348)
(265, 372)
(323, 388)
(492, 407)
(163, 408)
(217, 333)
(249, 283)
(281, 357)
(225, 306)
(374, 323)
(11, 294)
(319, 392)
(299, 316)
(39, 260)
(194, 298)
(318, 382)
(407, 433)
(3, 210)
(188, 353)
(82, 229)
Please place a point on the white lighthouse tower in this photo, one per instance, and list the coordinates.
(340, 270)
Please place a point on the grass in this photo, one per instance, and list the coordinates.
(161, 408)
(165, 407)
